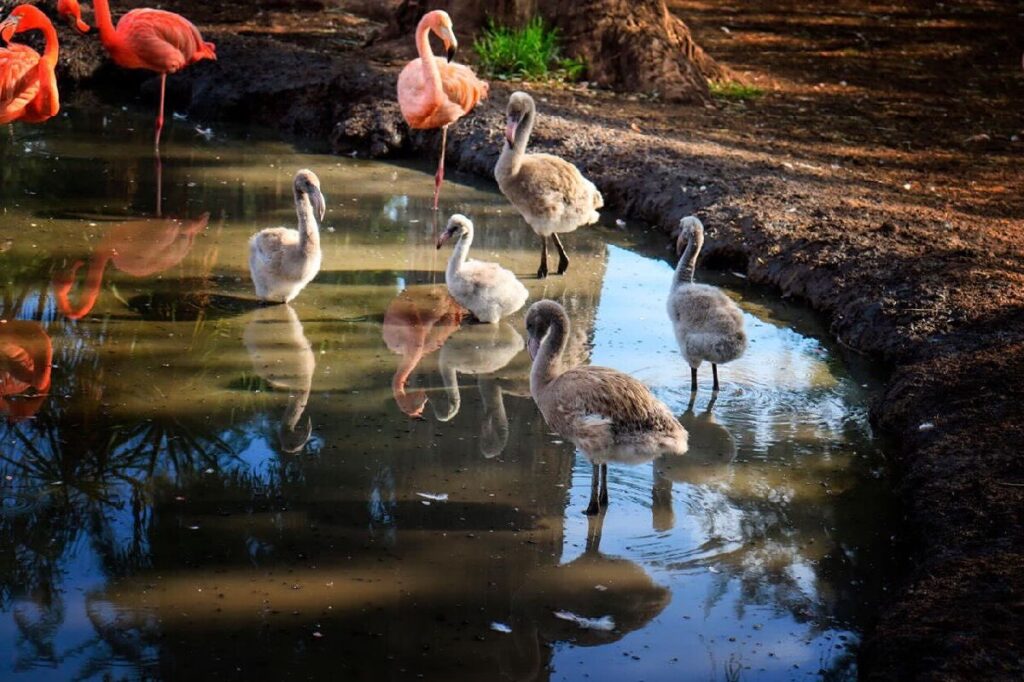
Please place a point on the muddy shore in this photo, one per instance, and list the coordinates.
(932, 285)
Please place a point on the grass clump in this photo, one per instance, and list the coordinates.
(532, 52)
(736, 92)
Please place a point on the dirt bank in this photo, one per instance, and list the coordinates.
(878, 178)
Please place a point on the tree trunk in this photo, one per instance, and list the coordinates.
(630, 45)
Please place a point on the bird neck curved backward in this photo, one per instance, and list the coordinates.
(688, 261)
(460, 254)
(309, 231)
(431, 74)
(547, 365)
(105, 23)
(52, 46)
(90, 288)
(523, 131)
(451, 391)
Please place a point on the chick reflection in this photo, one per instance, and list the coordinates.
(593, 586)
(139, 248)
(709, 461)
(282, 356)
(418, 322)
(26, 356)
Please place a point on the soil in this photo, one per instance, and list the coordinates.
(878, 177)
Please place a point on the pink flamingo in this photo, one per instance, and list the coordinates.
(432, 91)
(28, 87)
(151, 39)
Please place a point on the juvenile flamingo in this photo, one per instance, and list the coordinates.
(28, 87)
(151, 39)
(433, 92)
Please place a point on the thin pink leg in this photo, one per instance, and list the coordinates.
(439, 177)
(160, 114)
(159, 184)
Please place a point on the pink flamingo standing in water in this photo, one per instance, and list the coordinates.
(151, 39)
(28, 87)
(432, 91)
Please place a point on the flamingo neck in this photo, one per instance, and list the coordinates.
(309, 231)
(431, 74)
(52, 46)
(409, 404)
(90, 288)
(461, 253)
(688, 261)
(511, 158)
(105, 23)
(547, 365)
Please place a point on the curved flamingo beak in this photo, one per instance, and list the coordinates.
(445, 236)
(72, 11)
(533, 345)
(451, 45)
(510, 130)
(8, 27)
(316, 197)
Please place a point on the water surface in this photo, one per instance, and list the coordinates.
(358, 485)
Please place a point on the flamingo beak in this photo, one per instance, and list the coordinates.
(8, 28)
(445, 236)
(533, 345)
(510, 130)
(451, 45)
(319, 203)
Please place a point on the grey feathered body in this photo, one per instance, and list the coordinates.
(707, 323)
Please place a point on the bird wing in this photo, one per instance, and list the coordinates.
(558, 186)
(19, 82)
(162, 41)
(461, 85)
(599, 397)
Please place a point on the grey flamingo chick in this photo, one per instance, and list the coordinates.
(282, 261)
(608, 415)
(488, 290)
(550, 193)
(707, 323)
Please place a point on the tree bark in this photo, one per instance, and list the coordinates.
(628, 45)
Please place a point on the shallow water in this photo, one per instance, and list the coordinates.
(199, 486)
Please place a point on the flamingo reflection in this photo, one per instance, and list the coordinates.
(418, 322)
(139, 248)
(282, 355)
(26, 356)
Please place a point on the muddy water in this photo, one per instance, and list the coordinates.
(358, 485)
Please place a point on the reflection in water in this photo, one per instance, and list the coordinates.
(708, 461)
(594, 585)
(26, 354)
(156, 530)
(282, 356)
(418, 322)
(139, 248)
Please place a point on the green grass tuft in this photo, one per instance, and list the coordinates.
(531, 53)
(731, 90)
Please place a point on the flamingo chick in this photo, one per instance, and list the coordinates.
(605, 413)
(488, 290)
(434, 92)
(28, 86)
(150, 39)
(550, 193)
(282, 261)
(708, 325)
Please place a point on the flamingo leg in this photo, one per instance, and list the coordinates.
(563, 260)
(439, 176)
(159, 183)
(714, 372)
(160, 113)
(603, 499)
(693, 379)
(542, 271)
(593, 507)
